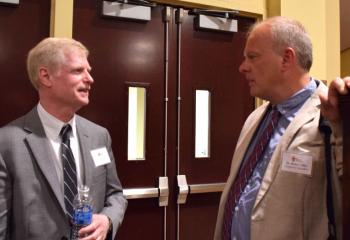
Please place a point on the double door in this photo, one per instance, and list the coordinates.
(174, 102)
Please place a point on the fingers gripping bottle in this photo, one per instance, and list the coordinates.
(82, 214)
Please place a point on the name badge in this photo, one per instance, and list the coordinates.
(297, 163)
(100, 156)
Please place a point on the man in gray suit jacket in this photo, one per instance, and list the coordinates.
(32, 192)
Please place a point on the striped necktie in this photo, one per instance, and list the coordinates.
(246, 172)
(69, 170)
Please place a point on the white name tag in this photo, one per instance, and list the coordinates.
(297, 163)
(100, 156)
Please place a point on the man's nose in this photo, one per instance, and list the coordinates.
(88, 77)
(243, 67)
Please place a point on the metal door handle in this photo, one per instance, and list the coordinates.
(141, 193)
(206, 188)
(135, 193)
(185, 189)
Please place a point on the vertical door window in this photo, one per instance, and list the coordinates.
(136, 123)
(202, 124)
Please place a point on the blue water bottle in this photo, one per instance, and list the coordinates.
(82, 214)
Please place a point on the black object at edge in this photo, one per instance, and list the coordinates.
(324, 127)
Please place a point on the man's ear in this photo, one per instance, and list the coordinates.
(44, 77)
(289, 58)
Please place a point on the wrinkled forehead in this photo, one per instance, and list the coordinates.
(68, 58)
(74, 51)
(260, 31)
(259, 37)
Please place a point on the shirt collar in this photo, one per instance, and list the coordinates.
(293, 103)
(52, 125)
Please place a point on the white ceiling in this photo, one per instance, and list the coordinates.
(344, 24)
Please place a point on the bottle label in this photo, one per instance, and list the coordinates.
(83, 215)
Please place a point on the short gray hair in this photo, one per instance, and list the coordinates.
(290, 33)
(50, 53)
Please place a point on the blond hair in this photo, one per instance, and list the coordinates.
(50, 53)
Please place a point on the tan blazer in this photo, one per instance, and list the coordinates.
(289, 206)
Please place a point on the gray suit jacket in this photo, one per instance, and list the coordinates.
(31, 199)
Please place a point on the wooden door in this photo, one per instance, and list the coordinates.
(21, 27)
(170, 65)
(209, 62)
(128, 54)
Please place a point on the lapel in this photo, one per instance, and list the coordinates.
(86, 146)
(41, 149)
(245, 139)
(306, 114)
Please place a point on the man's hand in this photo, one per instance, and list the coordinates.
(97, 230)
(329, 102)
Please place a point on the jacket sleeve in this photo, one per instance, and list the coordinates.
(115, 203)
(337, 143)
(5, 199)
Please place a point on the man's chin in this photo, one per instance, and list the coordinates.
(256, 94)
(82, 103)
(84, 100)
(253, 92)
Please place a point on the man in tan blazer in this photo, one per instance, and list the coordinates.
(284, 195)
